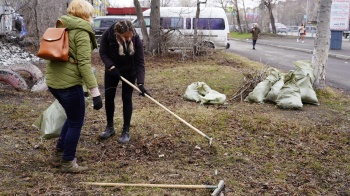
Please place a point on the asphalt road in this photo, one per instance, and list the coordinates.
(281, 53)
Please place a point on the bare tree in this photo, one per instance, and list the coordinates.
(187, 3)
(163, 3)
(151, 41)
(245, 17)
(222, 3)
(321, 44)
(154, 32)
(237, 16)
(195, 27)
(142, 24)
(269, 5)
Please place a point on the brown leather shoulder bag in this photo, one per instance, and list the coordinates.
(54, 44)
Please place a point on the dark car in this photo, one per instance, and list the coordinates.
(102, 23)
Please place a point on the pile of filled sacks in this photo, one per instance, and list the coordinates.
(287, 90)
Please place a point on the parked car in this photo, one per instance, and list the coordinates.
(309, 29)
(280, 28)
(102, 23)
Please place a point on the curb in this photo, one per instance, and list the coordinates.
(339, 56)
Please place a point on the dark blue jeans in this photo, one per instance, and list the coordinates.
(73, 101)
(254, 42)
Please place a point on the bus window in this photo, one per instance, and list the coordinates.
(171, 23)
(188, 23)
(210, 23)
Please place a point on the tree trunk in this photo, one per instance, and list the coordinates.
(322, 43)
(142, 25)
(237, 16)
(195, 33)
(245, 18)
(36, 20)
(154, 31)
(268, 4)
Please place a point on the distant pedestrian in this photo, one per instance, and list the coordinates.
(255, 31)
(302, 33)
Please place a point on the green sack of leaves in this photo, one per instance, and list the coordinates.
(260, 91)
(201, 92)
(303, 68)
(275, 89)
(289, 95)
(307, 93)
(258, 95)
(51, 121)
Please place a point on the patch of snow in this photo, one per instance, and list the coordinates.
(11, 54)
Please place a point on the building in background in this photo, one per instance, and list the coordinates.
(100, 7)
(124, 7)
(123, 11)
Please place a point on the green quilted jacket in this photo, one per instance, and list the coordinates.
(61, 75)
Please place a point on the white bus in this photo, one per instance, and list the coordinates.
(177, 24)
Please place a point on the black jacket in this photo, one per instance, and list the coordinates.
(127, 65)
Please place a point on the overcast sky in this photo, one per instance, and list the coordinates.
(130, 3)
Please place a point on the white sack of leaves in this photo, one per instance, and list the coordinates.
(201, 92)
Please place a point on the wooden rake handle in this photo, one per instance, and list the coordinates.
(166, 109)
(151, 185)
(217, 189)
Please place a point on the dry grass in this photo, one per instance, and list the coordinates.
(257, 149)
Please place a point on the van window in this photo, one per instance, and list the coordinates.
(210, 23)
(175, 22)
(147, 21)
(171, 23)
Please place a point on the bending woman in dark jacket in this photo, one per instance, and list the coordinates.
(121, 51)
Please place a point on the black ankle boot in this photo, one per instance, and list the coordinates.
(125, 137)
(107, 133)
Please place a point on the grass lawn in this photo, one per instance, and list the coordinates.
(238, 35)
(258, 149)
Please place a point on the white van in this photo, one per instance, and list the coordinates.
(178, 24)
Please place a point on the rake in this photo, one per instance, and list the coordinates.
(172, 113)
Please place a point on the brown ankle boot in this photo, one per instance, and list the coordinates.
(57, 157)
(72, 167)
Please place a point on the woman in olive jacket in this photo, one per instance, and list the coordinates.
(255, 31)
(65, 81)
(121, 51)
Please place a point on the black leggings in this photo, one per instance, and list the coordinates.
(111, 83)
